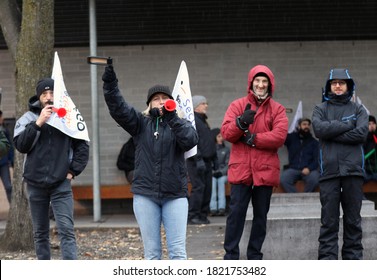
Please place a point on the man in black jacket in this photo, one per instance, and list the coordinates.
(126, 159)
(341, 127)
(53, 160)
(4, 144)
(370, 147)
(303, 159)
(200, 166)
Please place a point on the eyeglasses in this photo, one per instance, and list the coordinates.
(334, 83)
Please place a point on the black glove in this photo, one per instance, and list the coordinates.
(154, 112)
(217, 174)
(109, 75)
(200, 166)
(250, 141)
(248, 138)
(248, 115)
(169, 115)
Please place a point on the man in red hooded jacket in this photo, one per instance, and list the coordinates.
(257, 126)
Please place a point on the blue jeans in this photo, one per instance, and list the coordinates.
(290, 176)
(5, 178)
(61, 199)
(218, 193)
(172, 213)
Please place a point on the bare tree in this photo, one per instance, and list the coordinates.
(30, 39)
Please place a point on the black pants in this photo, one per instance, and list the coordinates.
(201, 189)
(347, 192)
(240, 196)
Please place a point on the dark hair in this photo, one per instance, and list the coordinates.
(304, 120)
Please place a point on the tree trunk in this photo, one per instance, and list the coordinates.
(34, 58)
(10, 19)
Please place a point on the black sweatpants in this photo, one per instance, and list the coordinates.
(347, 192)
(201, 190)
(240, 196)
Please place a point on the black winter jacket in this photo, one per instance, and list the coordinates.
(207, 143)
(160, 170)
(369, 145)
(341, 127)
(51, 154)
(302, 152)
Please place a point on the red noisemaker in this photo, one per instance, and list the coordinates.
(60, 111)
(170, 105)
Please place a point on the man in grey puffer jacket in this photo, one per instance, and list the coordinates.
(341, 126)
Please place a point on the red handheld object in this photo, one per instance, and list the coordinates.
(60, 111)
(170, 105)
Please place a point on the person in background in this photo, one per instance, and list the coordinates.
(341, 126)
(53, 159)
(257, 127)
(159, 184)
(126, 159)
(219, 176)
(200, 166)
(4, 144)
(6, 162)
(370, 151)
(303, 159)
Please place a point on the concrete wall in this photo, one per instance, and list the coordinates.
(218, 71)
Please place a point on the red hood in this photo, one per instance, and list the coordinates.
(257, 69)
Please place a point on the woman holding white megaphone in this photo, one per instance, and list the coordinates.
(159, 184)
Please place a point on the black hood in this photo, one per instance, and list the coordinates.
(34, 105)
(339, 74)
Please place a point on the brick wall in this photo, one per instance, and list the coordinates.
(218, 71)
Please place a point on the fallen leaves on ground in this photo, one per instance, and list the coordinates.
(203, 242)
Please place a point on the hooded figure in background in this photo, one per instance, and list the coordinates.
(341, 127)
(257, 126)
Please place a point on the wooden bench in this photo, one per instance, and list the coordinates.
(370, 187)
(300, 187)
(114, 191)
(124, 191)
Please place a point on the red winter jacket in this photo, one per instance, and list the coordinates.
(259, 165)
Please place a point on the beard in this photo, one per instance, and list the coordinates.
(48, 102)
(305, 133)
